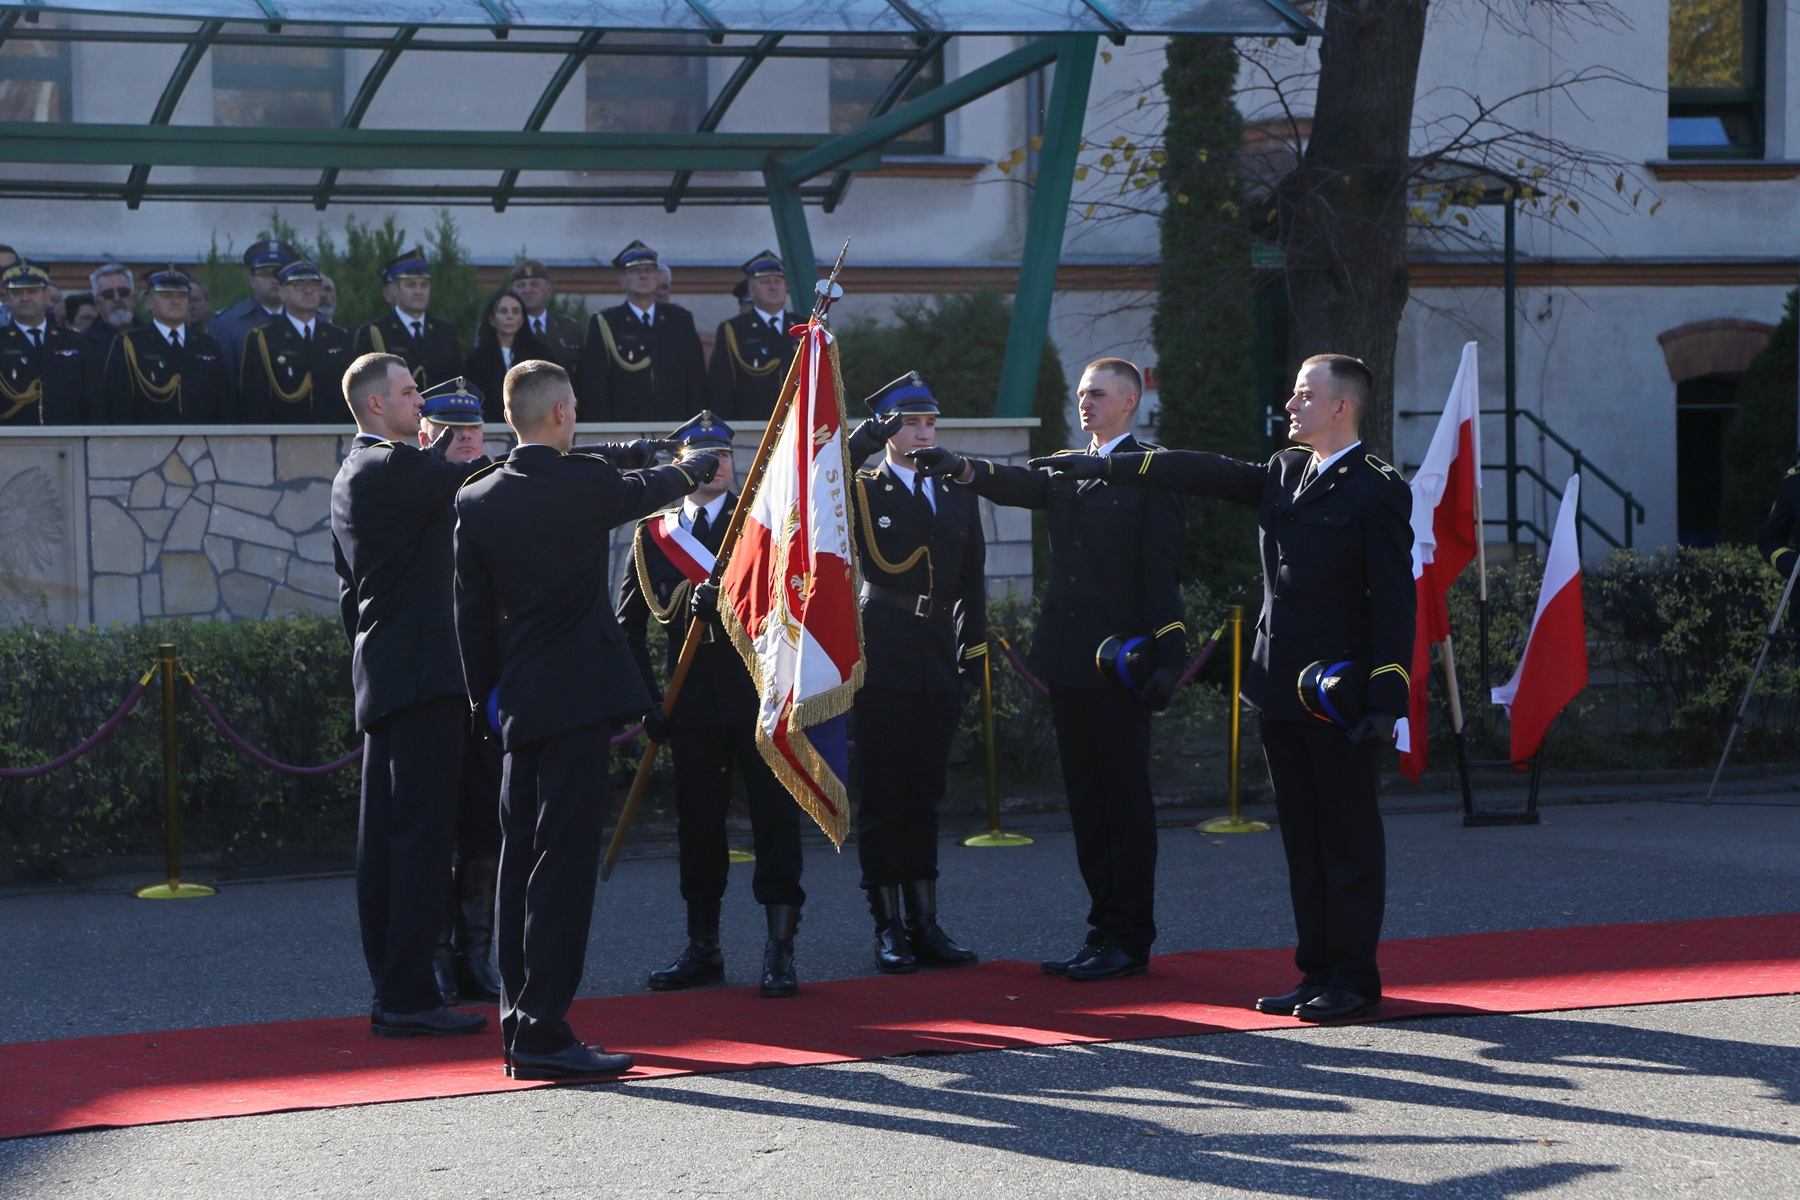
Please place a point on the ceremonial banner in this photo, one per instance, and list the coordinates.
(1554, 668)
(1446, 535)
(788, 595)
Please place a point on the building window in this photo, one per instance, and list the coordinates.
(1716, 53)
(1704, 409)
(857, 83)
(34, 80)
(646, 93)
(278, 87)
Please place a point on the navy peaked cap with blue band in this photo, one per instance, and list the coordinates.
(766, 263)
(636, 254)
(269, 253)
(907, 394)
(170, 279)
(702, 432)
(413, 262)
(300, 270)
(453, 402)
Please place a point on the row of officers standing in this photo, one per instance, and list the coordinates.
(274, 358)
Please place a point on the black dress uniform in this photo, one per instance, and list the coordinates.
(290, 378)
(531, 544)
(48, 376)
(1337, 586)
(924, 618)
(751, 355)
(231, 326)
(427, 343)
(558, 334)
(1115, 555)
(638, 368)
(391, 530)
(153, 377)
(712, 732)
(1780, 531)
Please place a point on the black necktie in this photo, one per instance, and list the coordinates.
(923, 499)
(418, 329)
(306, 334)
(1307, 476)
(537, 325)
(702, 526)
(37, 339)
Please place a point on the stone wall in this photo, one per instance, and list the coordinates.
(108, 525)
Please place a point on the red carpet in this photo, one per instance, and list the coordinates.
(184, 1075)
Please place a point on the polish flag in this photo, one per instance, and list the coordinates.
(788, 594)
(1554, 668)
(1446, 536)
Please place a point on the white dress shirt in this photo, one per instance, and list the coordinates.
(690, 512)
(303, 328)
(905, 475)
(646, 315)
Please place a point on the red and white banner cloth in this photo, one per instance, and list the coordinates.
(681, 547)
(788, 596)
(1446, 536)
(1554, 667)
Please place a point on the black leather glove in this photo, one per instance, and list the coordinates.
(937, 462)
(440, 445)
(703, 605)
(1375, 727)
(1075, 466)
(1161, 689)
(699, 467)
(658, 727)
(869, 437)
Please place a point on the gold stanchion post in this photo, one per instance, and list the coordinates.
(1234, 822)
(174, 889)
(994, 836)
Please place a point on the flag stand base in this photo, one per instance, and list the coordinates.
(1531, 816)
(738, 855)
(1231, 825)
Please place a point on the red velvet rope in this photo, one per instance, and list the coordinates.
(251, 752)
(112, 723)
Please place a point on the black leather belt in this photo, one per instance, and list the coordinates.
(918, 606)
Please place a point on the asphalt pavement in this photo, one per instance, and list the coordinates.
(1689, 1099)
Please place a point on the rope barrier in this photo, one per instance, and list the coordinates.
(112, 723)
(251, 752)
(1187, 676)
(628, 735)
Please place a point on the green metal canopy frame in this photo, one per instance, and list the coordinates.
(797, 169)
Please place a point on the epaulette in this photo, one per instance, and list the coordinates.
(1151, 446)
(868, 472)
(477, 475)
(586, 454)
(387, 444)
(1056, 453)
(1381, 466)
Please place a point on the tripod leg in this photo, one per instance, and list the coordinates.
(1737, 721)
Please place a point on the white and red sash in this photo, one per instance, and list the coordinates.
(681, 547)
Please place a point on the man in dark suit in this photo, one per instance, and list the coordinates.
(165, 373)
(1114, 558)
(48, 376)
(559, 333)
(231, 326)
(541, 646)
(427, 343)
(391, 531)
(642, 361)
(1336, 536)
(753, 350)
(293, 368)
(924, 616)
(712, 731)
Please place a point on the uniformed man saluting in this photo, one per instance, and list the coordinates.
(47, 374)
(1114, 555)
(752, 350)
(427, 343)
(294, 366)
(712, 730)
(924, 615)
(165, 373)
(642, 361)
(1337, 587)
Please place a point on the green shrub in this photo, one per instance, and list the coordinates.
(283, 684)
(1759, 445)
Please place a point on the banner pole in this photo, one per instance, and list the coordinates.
(1456, 727)
(1234, 822)
(994, 836)
(173, 889)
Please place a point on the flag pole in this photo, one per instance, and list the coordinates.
(690, 645)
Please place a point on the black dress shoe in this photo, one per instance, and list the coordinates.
(575, 1063)
(1336, 1004)
(893, 949)
(433, 1022)
(1060, 966)
(930, 945)
(700, 964)
(1285, 1005)
(1108, 962)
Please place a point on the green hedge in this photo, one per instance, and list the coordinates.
(283, 684)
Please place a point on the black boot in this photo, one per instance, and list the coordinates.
(893, 956)
(476, 979)
(702, 962)
(778, 954)
(443, 961)
(930, 944)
